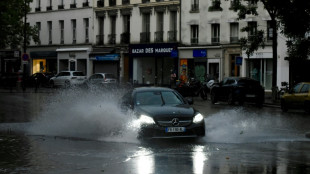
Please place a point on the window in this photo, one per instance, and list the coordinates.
(172, 34)
(124, 2)
(112, 36)
(49, 6)
(99, 38)
(73, 23)
(216, 6)
(159, 27)
(269, 31)
(145, 1)
(73, 4)
(38, 25)
(194, 34)
(234, 32)
(86, 25)
(61, 26)
(125, 36)
(145, 35)
(85, 3)
(50, 36)
(100, 3)
(38, 5)
(112, 2)
(195, 6)
(215, 33)
(61, 4)
(252, 30)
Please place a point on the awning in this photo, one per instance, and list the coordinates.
(101, 51)
(71, 49)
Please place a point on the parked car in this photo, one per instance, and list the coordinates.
(297, 97)
(163, 112)
(38, 79)
(240, 89)
(68, 78)
(102, 79)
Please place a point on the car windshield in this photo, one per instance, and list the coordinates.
(158, 98)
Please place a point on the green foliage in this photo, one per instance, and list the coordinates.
(12, 14)
(251, 44)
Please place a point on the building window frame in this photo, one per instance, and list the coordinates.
(234, 32)
(62, 31)
(194, 34)
(50, 32)
(73, 23)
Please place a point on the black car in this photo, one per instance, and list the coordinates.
(238, 89)
(38, 79)
(163, 113)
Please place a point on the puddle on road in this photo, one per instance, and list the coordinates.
(92, 114)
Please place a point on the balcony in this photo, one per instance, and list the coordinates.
(216, 6)
(112, 2)
(100, 3)
(194, 41)
(49, 8)
(145, 37)
(60, 7)
(125, 38)
(145, 1)
(124, 2)
(215, 40)
(99, 39)
(72, 5)
(38, 9)
(172, 36)
(112, 39)
(85, 4)
(159, 36)
(234, 39)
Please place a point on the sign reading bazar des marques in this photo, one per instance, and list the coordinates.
(152, 50)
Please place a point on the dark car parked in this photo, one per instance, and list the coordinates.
(38, 79)
(238, 89)
(163, 112)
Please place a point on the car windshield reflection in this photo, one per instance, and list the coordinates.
(158, 98)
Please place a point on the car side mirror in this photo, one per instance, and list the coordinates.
(189, 100)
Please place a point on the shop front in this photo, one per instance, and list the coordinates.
(44, 61)
(198, 63)
(153, 64)
(259, 67)
(10, 61)
(105, 63)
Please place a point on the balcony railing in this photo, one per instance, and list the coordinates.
(38, 9)
(112, 39)
(234, 39)
(49, 8)
(60, 6)
(195, 7)
(194, 40)
(145, 37)
(124, 2)
(99, 39)
(145, 1)
(159, 36)
(215, 40)
(85, 4)
(159, 0)
(125, 38)
(72, 5)
(100, 3)
(172, 36)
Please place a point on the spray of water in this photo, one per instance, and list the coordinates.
(91, 114)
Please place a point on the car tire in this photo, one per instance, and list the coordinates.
(67, 84)
(284, 106)
(213, 97)
(230, 98)
(52, 84)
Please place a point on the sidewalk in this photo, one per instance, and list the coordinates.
(269, 102)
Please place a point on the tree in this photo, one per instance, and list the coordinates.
(12, 25)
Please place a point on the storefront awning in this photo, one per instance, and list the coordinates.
(71, 49)
(107, 57)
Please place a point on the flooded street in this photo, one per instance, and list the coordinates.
(70, 131)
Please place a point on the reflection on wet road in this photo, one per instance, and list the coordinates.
(76, 132)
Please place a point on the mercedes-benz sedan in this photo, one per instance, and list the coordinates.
(163, 113)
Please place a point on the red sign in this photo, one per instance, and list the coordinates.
(25, 57)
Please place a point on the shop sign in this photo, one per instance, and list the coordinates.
(108, 57)
(238, 60)
(200, 53)
(153, 50)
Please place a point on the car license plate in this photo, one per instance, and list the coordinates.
(175, 129)
(250, 95)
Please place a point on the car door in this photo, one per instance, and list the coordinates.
(302, 95)
(61, 78)
(293, 97)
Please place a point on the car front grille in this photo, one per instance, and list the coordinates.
(182, 123)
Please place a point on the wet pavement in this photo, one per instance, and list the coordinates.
(72, 131)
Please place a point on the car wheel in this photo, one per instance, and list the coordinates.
(52, 84)
(307, 106)
(230, 99)
(67, 84)
(213, 97)
(283, 106)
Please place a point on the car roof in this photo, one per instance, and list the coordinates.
(151, 88)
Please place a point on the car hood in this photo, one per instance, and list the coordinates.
(166, 111)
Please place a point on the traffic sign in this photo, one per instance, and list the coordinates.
(25, 57)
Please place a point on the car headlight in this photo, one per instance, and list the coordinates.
(198, 118)
(146, 120)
